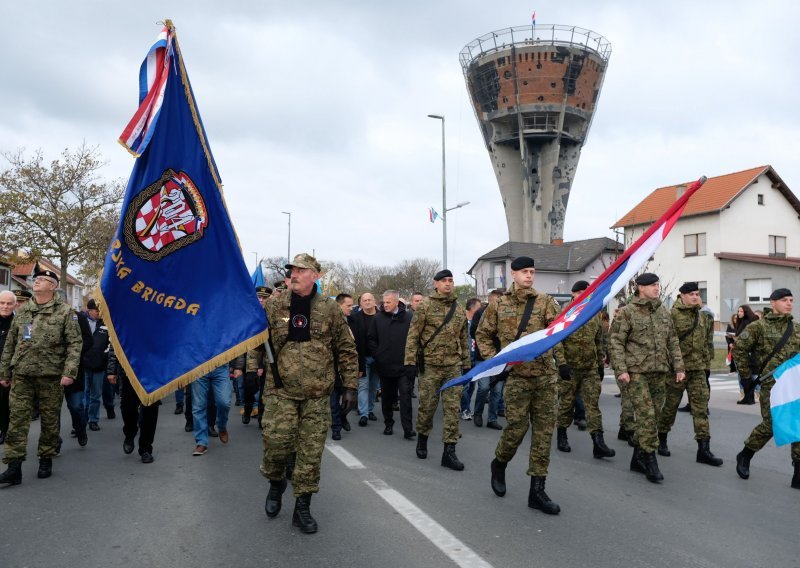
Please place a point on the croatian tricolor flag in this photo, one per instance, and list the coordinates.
(432, 214)
(589, 303)
(153, 75)
(785, 402)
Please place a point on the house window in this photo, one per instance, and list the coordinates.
(694, 245)
(758, 289)
(761, 199)
(703, 291)
(4, 276)
(777, 246)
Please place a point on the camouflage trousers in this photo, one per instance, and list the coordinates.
(647, 396)
(429, 384)
(295, 426)
(531, 401)
(762, 433)
(626, 418)
(588, 383)
(697, 390)
(24, 390)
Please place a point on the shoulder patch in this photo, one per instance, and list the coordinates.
(744, 335)
(74, 317)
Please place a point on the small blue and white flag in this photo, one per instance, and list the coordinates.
(785, 402)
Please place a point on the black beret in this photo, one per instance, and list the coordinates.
(521, 262)
(646, 279)
(580, 286)
(688, 287)
(443, 274)
(780, 293)
(46, 273)
(263, 291)
(22, 295)
(91, 305)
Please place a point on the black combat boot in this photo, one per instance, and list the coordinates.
(273, 503)
(422, 446)
(743, 462)
(704, 454)
(538, 499)
(637, 464)
(623, 434)
(302, 514)
(562, 442)
(663, 450)
(498, 477)
(290, 463)
(651, 470)
(630, 438)
(450, 459)
(600, 450)
(248, 410)
(12, 475)
(796, 476)
(45, 468)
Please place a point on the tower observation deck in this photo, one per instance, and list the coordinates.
(534, 90)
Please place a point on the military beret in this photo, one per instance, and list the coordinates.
(22, 295)
(443, 274)
(688, 287)
(91, 305)
(580, 286)
(263, 291)
(46, 273)
(304, 260)
(521, 262)
(646, 279)
(280, 284)
(780, 293)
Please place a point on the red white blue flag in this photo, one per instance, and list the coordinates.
(533, 18)
(432, 214)
(589, 303)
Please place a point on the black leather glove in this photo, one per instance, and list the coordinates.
(349, 400)
(565, 372)
(601, 371)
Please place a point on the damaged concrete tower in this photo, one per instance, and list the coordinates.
(534, 90)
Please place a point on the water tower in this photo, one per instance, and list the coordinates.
(534, 90)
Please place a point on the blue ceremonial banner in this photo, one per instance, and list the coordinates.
(258, 276)
(175, 292)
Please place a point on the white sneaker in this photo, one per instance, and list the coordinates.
(466, 415)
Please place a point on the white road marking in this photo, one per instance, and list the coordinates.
(344, 456)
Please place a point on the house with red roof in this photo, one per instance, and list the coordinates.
(22, 279)
(739, 237)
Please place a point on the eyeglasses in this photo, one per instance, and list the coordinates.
(43, 279)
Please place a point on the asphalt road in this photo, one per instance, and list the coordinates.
(381, 506)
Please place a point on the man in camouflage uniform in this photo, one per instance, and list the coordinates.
(308, 333)
(759, 340)
(531, 390)
(445, 349)
(41, 356)
(695, 329)
(646, 354)
(627, 424)
(583, 351)
(253, 382)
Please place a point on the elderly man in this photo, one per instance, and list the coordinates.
(368, 379)
(40, 357)
(308, 334)
(8, 302)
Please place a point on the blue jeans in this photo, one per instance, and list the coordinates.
(368, 388)
(93, 392)
(219, 383)
(466, 395)
(180, 396)
(76, 411)
(494, 398)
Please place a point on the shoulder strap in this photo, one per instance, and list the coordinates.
(526, 316)
(778, 347)
(683, 336)
(447, 319)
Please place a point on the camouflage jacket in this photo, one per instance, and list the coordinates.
(645, 341)
(613, 328)
(502, 319)
(758, 340)
(697, 348)
(451, 345)
(43, 341)
(307, 367)
(584, 348)
(256, 359)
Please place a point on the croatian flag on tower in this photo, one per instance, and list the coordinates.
(589, 303)
(785, 402)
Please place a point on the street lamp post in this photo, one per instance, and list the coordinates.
(289, 240)
(444, 194)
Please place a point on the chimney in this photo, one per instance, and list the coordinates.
(680, 190)
(557, 242)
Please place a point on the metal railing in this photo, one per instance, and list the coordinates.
(553, 34)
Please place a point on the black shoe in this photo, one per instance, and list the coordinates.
(630, 438)
(498, 469)
(663, 450)
(372, 417)
(704, 454)
(189, 426)
(147, 457)
(94, 426)
(652, 472)
(637, 464)
(83, 438)
(302, 514)
(477, 419)
(73, 433)
(562, 442)
(178, 409)
(111, 415)
(12, 475)
(581, 424)
(450, 459)
(127, 446)
(743, 462)
(272, 506)
(345, 424)
(246, 417)
(796, 476)
(290, 463)
(2, 438)
(362, 421)
(493, 425)
(622, 434)
(336, 435)
(410, 435)
(213, 432)
(422, 446)
(599, 448)
(45, 468)
(685, 408)
(388, 431)
(538, 499)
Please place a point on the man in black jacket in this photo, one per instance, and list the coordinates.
(94, 362)
(8, 302)
(386, 339)
(368, 380)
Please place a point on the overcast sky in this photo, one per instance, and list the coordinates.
(320, 108)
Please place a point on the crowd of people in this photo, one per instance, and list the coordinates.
(329, 357)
